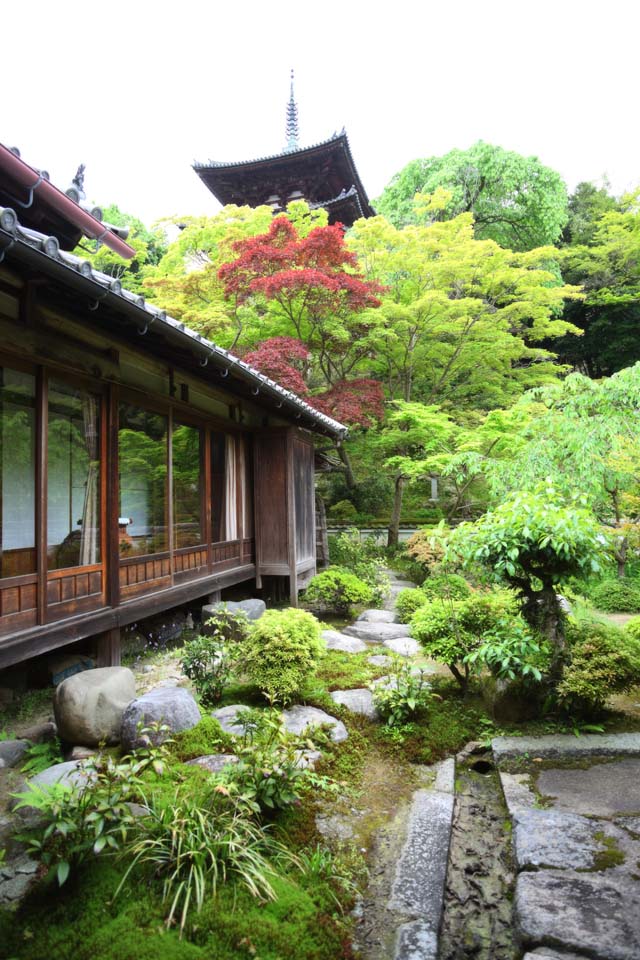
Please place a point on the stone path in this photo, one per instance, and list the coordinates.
(576, 844)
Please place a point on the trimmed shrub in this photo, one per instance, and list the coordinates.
(603, 660)
(343, 510)
(449, 586)
(282, 651)
(337, 589)
(632, 627)
(407, 602)
(422, 548)
(617, 596)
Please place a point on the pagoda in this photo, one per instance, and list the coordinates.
(324, 175)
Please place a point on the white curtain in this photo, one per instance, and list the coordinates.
(230, 507)
(90, 520)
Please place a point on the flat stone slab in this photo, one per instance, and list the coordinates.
(381, 660)
(631, 824)
(252, 609)
(602, 790)
(357, 701)
(403, 585)
(567, 745)
(517, 791)
(377, 616)
(403, 646)
(377, 632)
(12, 752)
(546, 953)
(445, 776)
(298, 719)
(583, 912)
(418, 888)
(334, 827)
(416, 941)
(227, 717)
(549, 838)
(214, 762)
(68, 772)
(340, 641)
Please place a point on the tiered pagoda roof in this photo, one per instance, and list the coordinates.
(323, 174)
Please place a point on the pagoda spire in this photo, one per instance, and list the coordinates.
(292, 121)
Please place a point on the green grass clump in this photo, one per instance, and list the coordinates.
(205, 738)
(617, 596)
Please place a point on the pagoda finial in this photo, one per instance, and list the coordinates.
(292, 121)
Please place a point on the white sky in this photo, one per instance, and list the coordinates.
(137, 90)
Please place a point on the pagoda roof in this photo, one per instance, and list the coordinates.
(324, 172)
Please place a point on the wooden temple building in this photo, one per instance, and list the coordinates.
(324, 175)
(141, 466)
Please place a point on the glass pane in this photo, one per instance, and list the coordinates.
(17, 473)
(142, 453)
(223, 487)
(73, 477)
(187, 499)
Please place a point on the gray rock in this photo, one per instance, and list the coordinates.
(334, 827)
(81, 753)
(403, 646)
(517, 791)
(339, 641)
(62, 666)
(163, 628)
(299, 719)
(630, 824)
(357, 701)
(227, 717)
(307, 759)
(89, 706)
(418, 888)
(601, 790)
(583, 912)
(214, 762)
(253, 609)
(377, 632)
(15, 879)
(68, 772)
(416, 941)
(173, 707)
(12, 752)
(377, 616)
(40, 732)
(566, 745)
(546, 953)
(380, 660)
(445, 776)
(548, 838)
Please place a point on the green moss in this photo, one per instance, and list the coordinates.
(344, 671)
(610, 856)
(205, 738)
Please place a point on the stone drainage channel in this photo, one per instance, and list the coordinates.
(530, 851)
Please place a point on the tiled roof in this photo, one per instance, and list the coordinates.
(19, 240)
(286, 154)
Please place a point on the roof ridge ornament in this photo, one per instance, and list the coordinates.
(292, 132)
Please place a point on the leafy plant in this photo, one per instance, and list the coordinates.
(602, 660)
(206, 661)
(39, 756)
(282, 651)
(510, 652)
(405, 695)
(362, 558)
(632, 627)
(92, 816)
(620, 595)
(337, 589)
(197, 848)
(450, 586)
(407, 602)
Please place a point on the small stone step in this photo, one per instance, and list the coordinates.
(357, 701)
(377, 632)
(299, 719)
(341, 642)
(377, 616)
(403, 646)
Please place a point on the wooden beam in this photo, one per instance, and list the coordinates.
(108, 648)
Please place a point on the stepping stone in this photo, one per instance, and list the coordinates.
(390, 679)
(398, 585)
(214, 762)
(252, 609)
(381, 660)
(517, 791)
(377, 616)
(587, 913)
(403, 646)
(227, 717)
(602, 790)
(377, 632)
(548, 838)
(416, 941)
(357, 701)
(567, 745)
(343, 643)
(307, 759)
(334, 827)
(298, 719)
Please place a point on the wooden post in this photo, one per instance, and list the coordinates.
(215, 596)
(108, 648)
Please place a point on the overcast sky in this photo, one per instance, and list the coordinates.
(138, 90)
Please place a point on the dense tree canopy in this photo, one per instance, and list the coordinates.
(515, 200)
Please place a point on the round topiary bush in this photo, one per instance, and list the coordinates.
(617, 596)
(632, 627)
(449, 586)
(407, 602)
(282, 651)
(338, 590)
(603, 660)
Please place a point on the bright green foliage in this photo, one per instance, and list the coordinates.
(616, 596)
(149, 247)
(404, 696)
(632, 627)
(451, 630)
(602, 660)
(361, 557)
(448, 586)
(515, 200)
(282, 651)
(195, 849)
(39, 756)
(511, 652)
(343, 510)
(205, 738)
(462, 319)
(587, 205)
(338, 590)
(407, 602)
(208, 660)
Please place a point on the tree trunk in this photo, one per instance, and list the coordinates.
(394, 525)
(348, 469)
(553, 627)
(621, 557)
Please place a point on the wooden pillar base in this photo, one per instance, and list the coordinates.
(108, 648)
(215, 596)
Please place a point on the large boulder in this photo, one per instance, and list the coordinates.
(88, 706)
(340, 641)
(172, 707)
(12, 752)
(300, 719)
